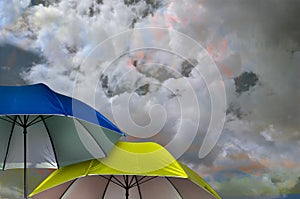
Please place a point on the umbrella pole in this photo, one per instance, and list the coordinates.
(126, 186)
(25, 162)
(127, 192)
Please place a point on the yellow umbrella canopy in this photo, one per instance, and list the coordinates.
(139, 170)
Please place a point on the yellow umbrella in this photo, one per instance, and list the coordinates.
(132, 170)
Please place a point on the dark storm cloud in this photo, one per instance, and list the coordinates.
(277, 21)
(13, 61)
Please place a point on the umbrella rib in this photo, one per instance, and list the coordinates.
(174, 187)
(67, 188)
(10, 120)
(141, 182)
(125, 178)
(34, 121)
(138, 186)
(131, 181)
(119, 183)
(26, 118)
(104, 177)
(21, 122)
(106, 187)
(92, 136)
(3, 118)
(8, 144)
(138, 180)
(51, 140)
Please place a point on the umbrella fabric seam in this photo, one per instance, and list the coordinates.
(91, 135)
(174, 187)
(106, 187)
(67, 188)
(51, 141)
(8, 144)
(138, 186)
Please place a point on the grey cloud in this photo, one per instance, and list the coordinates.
(14, 60)
(276, 21)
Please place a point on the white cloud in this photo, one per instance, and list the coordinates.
(10, 11)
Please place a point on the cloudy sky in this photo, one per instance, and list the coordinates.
(214, 81)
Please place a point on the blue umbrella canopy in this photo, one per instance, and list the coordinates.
(40, 99)
(40, 128)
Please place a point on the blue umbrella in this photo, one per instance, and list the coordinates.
(40, 128)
